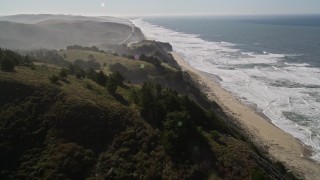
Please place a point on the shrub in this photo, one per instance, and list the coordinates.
(259, 174)
(88, 86)
(91, 57)
(78, 47)
(118, 78)
(280, 167)
(112, 86)
(54, 79)
(214, 135)
(27, 62)
(7, 65)
(118, 67)
(77, 71)
(153, 60)
(130, 57)
(91, 64)
(176, 128)
(63, 74)
(91, 74)
(102, 78)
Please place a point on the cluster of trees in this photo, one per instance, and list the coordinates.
(63, 74)
(45, 136)
(176, 116)
(91, 64)
(10, 59)
(133, 75)
(53, 57)
(155, 102)
(45, 133)
(152, 60)
(78, 47)
(118, 67)
(111, 82)
(48, 56)
(125, 56)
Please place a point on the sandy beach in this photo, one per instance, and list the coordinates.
(279, 144)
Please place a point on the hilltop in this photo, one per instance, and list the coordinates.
(37, 18)
(59, 31)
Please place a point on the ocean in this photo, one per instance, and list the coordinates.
(271, 63)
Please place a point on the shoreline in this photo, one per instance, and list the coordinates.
(279, 144)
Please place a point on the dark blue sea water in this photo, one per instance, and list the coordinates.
(269, 62)
(275, 34)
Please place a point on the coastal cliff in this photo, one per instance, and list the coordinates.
(80, 123)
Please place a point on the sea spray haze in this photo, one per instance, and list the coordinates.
(270, 62)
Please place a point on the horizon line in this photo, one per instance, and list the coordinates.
(163, 15)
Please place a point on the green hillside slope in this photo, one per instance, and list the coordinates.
(80, 127)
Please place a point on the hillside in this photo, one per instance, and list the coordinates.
(36, 18)
(89, 124)
(68, 30)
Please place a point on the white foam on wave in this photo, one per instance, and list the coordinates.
(275, 87)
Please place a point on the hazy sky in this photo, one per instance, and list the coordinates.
(148, 7)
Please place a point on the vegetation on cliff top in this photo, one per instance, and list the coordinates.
(95, 124)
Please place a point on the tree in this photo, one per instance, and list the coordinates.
(134, 96)
(118, 67)
(94, 48)
(7, 65)
(63, 74)
(91, 74)
(102, 79)
(77, 71)
(115, 80)
(153, 60)
(143, 57)
(118, 78)
(80, 74)
(146, 103)
(112, 86)
(27, 61)
(176, 131)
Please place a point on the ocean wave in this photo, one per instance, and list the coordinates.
(287, 93)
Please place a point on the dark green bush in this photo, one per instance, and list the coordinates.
(63, 74)
(176, 130)
(7, 65)
(259, 174)
(54, 79)
(102, 78)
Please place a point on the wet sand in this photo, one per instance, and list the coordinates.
(279, 144)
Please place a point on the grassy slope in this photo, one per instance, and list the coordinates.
(168, 76)
(107, 59)
(77, 130)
